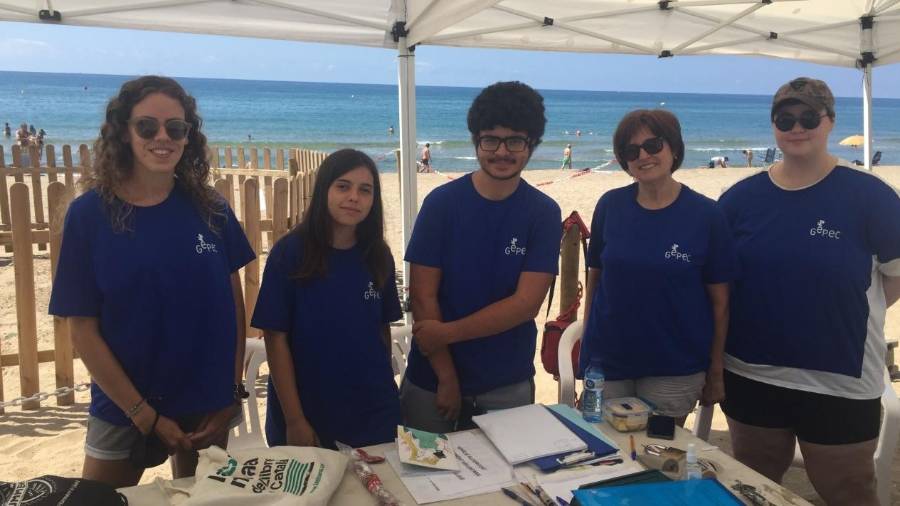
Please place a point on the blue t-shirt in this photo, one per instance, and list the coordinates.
(651, 314)
(482, 247)
(343, 370)
(809, 258)
(162, 294)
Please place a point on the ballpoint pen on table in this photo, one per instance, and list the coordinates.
(539, 492)
(633, 452)
(516, 497)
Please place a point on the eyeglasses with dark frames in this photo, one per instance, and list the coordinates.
(514, 144)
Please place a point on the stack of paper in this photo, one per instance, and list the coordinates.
(482, 470)
(528, 432)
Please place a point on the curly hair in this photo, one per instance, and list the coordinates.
(509, 104)
(114, 159)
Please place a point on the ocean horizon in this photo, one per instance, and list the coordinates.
(329, 116)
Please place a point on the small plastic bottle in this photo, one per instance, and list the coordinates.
(592, 398)
(692, 468)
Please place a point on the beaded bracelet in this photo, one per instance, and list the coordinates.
(136, 408)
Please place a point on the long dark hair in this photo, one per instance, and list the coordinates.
(315, 228)
(114, 160)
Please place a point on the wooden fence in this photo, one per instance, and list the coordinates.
(267, 202)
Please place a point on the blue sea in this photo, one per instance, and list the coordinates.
(327, 116)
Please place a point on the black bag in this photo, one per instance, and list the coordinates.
(57, 491)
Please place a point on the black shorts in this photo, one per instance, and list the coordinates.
(814, 418)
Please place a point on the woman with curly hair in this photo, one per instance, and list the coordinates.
(147, 280)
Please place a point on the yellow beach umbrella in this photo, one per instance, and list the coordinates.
(854, 140)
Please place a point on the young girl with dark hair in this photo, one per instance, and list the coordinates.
(147, 280)
(327, 298)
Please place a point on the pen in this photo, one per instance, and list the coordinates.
(633, 453)
(516, 497)
(545, 499)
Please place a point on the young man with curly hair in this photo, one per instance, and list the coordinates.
(483, 254)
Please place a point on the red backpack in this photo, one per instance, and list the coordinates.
(553, 329)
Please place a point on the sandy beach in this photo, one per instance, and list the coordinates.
(50, 440)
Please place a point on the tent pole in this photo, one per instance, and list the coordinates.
(867, 115)
(406, 76)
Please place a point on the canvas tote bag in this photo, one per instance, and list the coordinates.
(282, 475)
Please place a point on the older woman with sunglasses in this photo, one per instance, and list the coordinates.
(660, 259)
(819, 244)
(147, 281)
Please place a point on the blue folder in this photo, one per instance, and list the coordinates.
(707, 492)
(594, 443)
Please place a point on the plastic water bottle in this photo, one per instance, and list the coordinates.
(592, 398)
(691, 467)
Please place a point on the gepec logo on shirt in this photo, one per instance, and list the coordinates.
(203, 246)
(371, 293)
(821, 230)
(514, 248)
(674, 254)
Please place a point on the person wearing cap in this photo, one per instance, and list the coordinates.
(819, 244)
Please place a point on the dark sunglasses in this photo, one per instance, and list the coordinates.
(514, 144)
(632, 152)
(147, 128)
(808, 120)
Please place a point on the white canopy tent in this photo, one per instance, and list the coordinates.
(848, 33)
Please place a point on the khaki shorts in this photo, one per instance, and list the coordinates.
(673, 396)
(107, 441)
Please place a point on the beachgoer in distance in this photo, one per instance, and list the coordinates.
(482, 255)
(718, 161)
(391, 130)
(748, 154)
(22, 135)
(819, 244)
(426, 158)
(663, 284)
(147, 281)
(567, 157)
(7, 131)
(329, 294)
(31, 130)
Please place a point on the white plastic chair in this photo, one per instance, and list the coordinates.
(241, 436)
(401, 337)
(567, 342)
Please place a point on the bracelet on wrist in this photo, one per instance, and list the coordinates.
(138, 406)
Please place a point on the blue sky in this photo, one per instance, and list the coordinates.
(68, 49)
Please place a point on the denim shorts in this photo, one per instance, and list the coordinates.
(107, 441)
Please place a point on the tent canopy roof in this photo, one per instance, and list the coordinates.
(829, 32)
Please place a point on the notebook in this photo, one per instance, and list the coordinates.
(528, 432)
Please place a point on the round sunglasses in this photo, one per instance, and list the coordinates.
(632, 152)
(147, 127)
(808, 120)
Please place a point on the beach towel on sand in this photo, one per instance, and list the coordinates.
(262, 476)
(57, 491)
